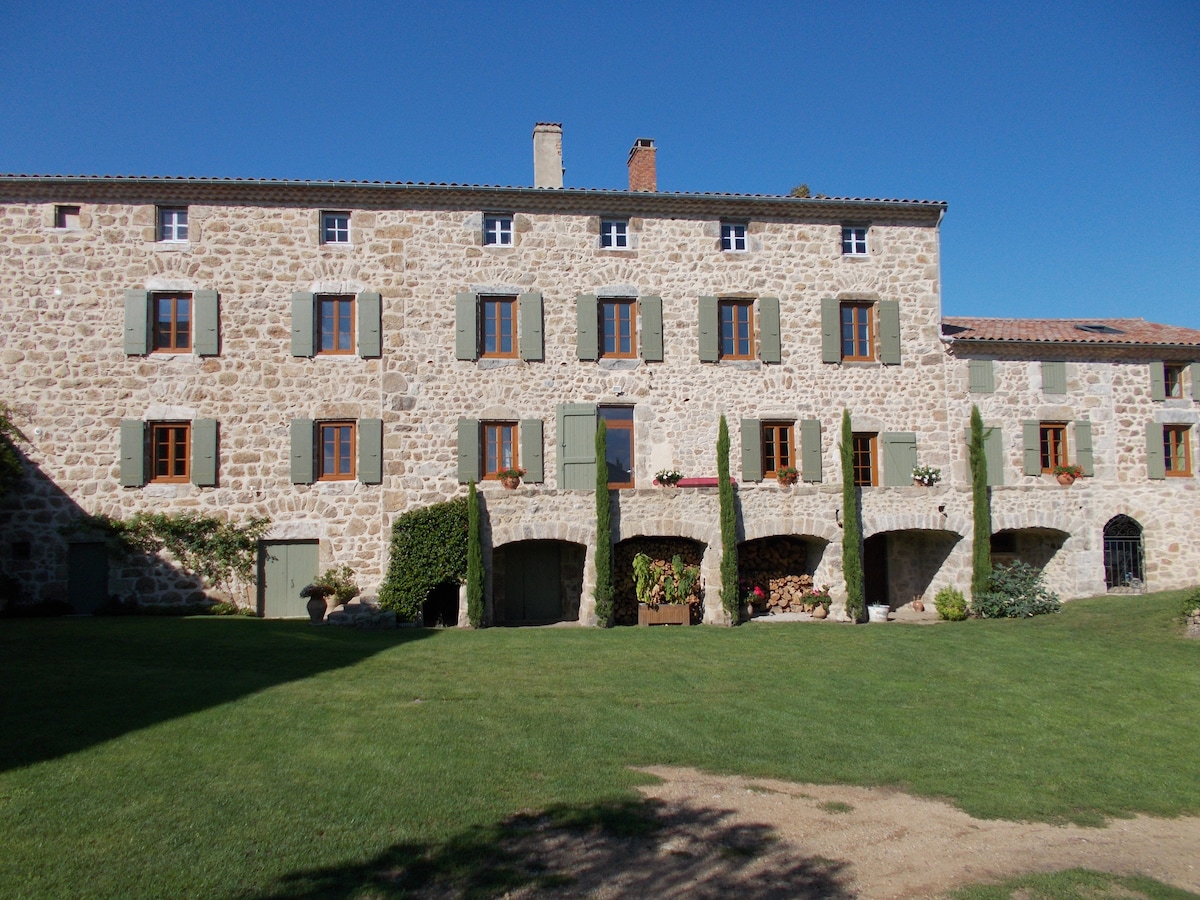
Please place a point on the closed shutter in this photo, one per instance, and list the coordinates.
(531, 451)
(769, 343)
(303, 331)
(751, 450)
(205, 323)
(1158, 381)
(1031, 434)
(1083, 446)
(137, 323)
(468, 450)
(831, 330)
(302, 451)
(889, 333)
(1054, 377)
(587, 339)
(133, 452)
(466, 326)
(370, 451)
(576, 446)
(810, 449)
(529, 309)
(370, 314)
(710, 326)
(899, 457)
(1156, 463)
(993, 452)
(981, 376)
(651, 328)
(204, 452)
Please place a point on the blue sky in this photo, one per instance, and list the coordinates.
(1064, 136)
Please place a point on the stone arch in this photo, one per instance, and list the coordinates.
(804, 526)
(782, 566)
(901, 564)
(537, 581)
(1124, 555)
(933, 520)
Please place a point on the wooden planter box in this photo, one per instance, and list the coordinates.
(665, 614)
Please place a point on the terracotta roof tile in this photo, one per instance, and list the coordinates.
(1067, 331)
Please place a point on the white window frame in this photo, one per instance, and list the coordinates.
(497, 230)
(335, 227)
(854, 240)
(173, 224)
(733, 237)
(614, 234)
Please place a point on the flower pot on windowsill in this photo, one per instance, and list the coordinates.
(511, 483)
(1065, 478)
(1067, 474)
(787, 476)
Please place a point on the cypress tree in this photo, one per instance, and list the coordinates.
(604, 573)
(474, 560)
(731, 600)
(852, 540)
(981, 552)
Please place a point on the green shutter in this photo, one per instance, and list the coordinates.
(303, 330)
(529, 309)
(370, 451)
(137, 323)
(889, 333)
(1158, 381)
(302, 451)
(204, 452)
(710, 329)
(1083, 446)
(466, 326)
(651, 328)
(831, 330)
(769, 343)
(587, 318)
(205, 324)
(751, 450)
(1156, 463)
(133, 452)
(1031, 434)
(1195, 367)
(468, 451)
(899, 457)
(576, 424)
(370, 317)
(993, 452)
(531, 451)
(810, 449)
(1054, 377)
(982, 376)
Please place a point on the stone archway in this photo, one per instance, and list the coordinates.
(1124, 556)
(782, 567)
(537, 582)
(660, 549)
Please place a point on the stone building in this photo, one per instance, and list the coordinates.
(333, 354)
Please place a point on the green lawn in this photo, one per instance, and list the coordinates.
(233, 757)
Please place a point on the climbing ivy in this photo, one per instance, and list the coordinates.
(429, 547)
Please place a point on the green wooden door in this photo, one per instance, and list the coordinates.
(285, 568)
(532, 582)
(87, 576)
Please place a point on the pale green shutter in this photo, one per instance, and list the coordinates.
(751, 450)
(205, 323)
(1031, 433)
(370, 451)
(889, 333)
(710, 329)
(531, 451)
(370, 316)
(466, 326)
(831, 330)
(303, 331)
(529, 308)
(993, 452)
(204, 452)
(810, 449)
(651, 328)
(1054, 377)
(468, 450)
(1158, 381)
(899, 457)
(1083, 446)
(137, 323)
(769, 343)
(133, 452)
(302, 451)
(587, 341)
(1195, 367)
(1156, 462)
(981, 376)
(576, 446)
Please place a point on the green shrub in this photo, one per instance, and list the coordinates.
(1190, 603)
(951, 604)
(429, 547)
(474, 560)
(604, 568)
(731, 598)
(1014, 592)
(337, 582)
(981, 512)
(852, 538)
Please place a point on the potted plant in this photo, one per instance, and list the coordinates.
(1067, 474)
(926, 476)
(878, 612)
(668, 478)
(787, 475)
(820, 599)
(511, 477)
(334, 587)
(663, 591)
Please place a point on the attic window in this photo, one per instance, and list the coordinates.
(1099, 329)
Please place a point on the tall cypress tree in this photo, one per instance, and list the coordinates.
(852, 540)
(731, 600)
(474, 560)
(604, 573)
(981, 552)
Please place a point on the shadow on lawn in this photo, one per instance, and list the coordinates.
(70, 683)
(630, 849)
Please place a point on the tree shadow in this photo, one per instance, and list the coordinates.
(630, 848)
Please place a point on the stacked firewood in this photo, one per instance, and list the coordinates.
(661, 551)
(777, 568)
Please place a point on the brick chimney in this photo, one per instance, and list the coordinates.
(547, 155)
(643, 175)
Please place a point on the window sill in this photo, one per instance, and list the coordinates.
(497, 362)
(172, 246)
(745, 365)
(618, 363)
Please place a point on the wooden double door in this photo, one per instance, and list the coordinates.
(284, 568)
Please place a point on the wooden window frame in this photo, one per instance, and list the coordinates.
(171, 330)
(324, 464)
(1173, 375)
(620, 424)
(854, 240)
(736, 306)
(491, 451)
(63, 216)
(1177, 452)
(866, 458)
(497, 230)
(735, 237)
(861, 313)
(170, 449)
(620, 311)
(614, 234)
(489, 310)
(333, 229)
(170, 229)
(1052, 446)
(344, 311)
(778, 447)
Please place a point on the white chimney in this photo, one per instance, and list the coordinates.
(547, 155)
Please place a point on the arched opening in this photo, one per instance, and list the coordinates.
(1033, 546)
(659, 549)
(440, 609)
(537, 582)
(899, 566)
(1124, 557)
(782, 566)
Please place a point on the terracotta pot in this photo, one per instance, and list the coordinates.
(820, 612)
(918, 606)
(1066, 478)
(316, 609)
(511, 483)
(789, 480)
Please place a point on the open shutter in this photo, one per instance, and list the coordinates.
(204, 452)
(993, 452)
(810, 450)
(1156, 463)
(1083, 446)
(889, 333)
(982, 379)
(303, 330)
(1054, 377)
(133, 452)
(529, 309)
(769, 344)
(137, 323)
(1031, 434)
(587, 317)
(531, 451)
(302, 451)
(651, 328)
(370, 314)
(751, 450)
(466, 326)
(468, 450)
(205, 323)
(370, 451)
(1158, 381)
(1195, 367)
(831, 330)
(576, 446)
(899, 457)
(710, 328)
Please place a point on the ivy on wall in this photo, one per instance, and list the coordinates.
(429, 547)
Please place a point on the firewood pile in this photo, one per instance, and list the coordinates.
(777, 567)
(661, 551)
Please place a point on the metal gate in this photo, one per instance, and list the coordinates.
(1124, 559)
